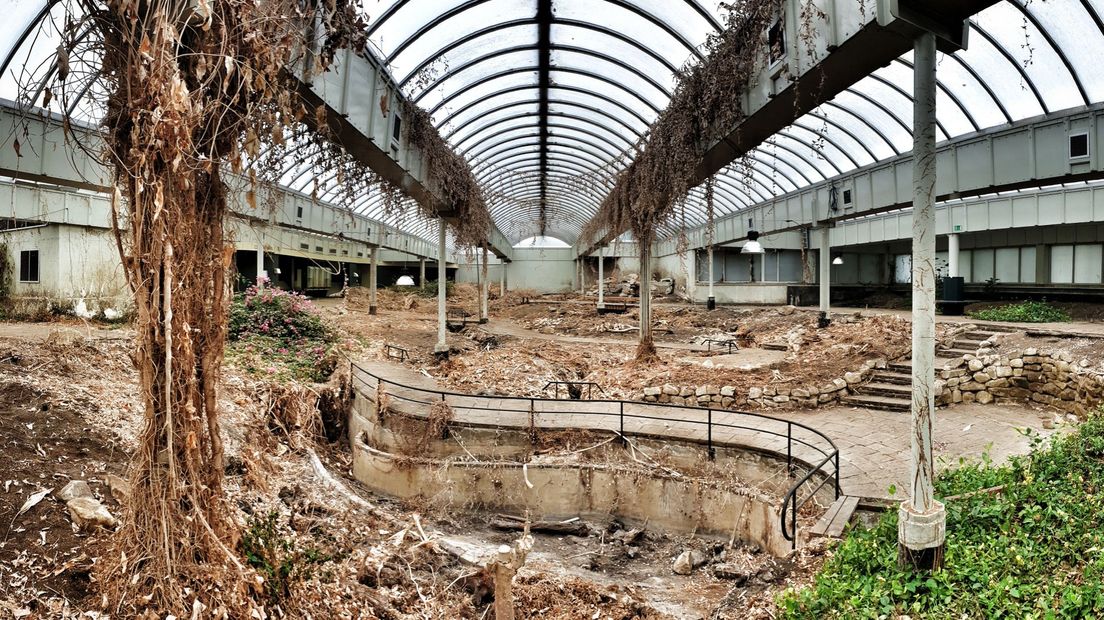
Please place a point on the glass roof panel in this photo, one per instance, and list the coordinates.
(955, 77)
(1019, 37)
(616, 140)
(657, 92)
(427, 48)
(634, 117)
(490, 132)
(573, 36)
(515, 100)
(593, 118)
(628, 23)
(1082, 42)
(611, 91)
(456, 81)
(526, 112)
(478, 92)
(415, 15)
(1001, 75)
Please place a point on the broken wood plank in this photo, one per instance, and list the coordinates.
(836, 518)
(570, 527)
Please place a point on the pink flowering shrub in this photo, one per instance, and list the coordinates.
(278, 334)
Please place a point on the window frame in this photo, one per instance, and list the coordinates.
(24, 262)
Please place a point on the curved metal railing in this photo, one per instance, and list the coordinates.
(802, 445)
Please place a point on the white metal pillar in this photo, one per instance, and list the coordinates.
(421, 272)
(372, 282)
(711, 301)
(582, 276)
(261, 272)
(601, 281)
(502, 280)
(441, 348)
(825, 274)
(922, 522)
(484, 288)
(645, 293)
(952, 255)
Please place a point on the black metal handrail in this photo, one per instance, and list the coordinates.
(791, 504)
(589, 385)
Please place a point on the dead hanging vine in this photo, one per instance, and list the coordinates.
(702, 110)
(194, 88)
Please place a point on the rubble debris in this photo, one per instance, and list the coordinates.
(73, 490)
(88, 513)
(688, 560)
(573, 527)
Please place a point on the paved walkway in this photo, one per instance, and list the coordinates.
(874, 445)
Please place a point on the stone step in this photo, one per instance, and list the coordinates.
(978, 335)
(888, 376)
(775, 346)
(954, 353)
(962, 343)
(893, 390)
(885, 403)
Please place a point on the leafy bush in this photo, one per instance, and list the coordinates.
(280, 334)
(1033, 550)
(276, 558)
(1023, 312)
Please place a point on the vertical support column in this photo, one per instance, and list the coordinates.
(601, 281)
(485, 286)
(372, 282)
(441, 348)
(922, 522)
(502, 279)
(825, 275)
(711, 301)
(421, 273)
(952, 255)
(645, 295)
(582, 276)
(261, 272)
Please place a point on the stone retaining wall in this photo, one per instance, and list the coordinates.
(1049, 378)
(766, 397)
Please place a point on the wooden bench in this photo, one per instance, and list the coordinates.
(836, 518)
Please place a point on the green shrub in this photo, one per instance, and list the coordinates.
(276, 558)
(279, 334)
(1035, 550)
(1023, 312)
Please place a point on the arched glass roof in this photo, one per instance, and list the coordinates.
(547, 97)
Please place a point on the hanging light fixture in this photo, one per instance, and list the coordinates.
(752, 246)
(838, 260)
(405, 281)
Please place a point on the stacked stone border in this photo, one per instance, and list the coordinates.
(1046, 377)
(766, 397)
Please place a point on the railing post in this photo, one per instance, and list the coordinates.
(624, 442)
(837, 475)
(793, 523)
(709, 433)
(789, 447)
(532, 422)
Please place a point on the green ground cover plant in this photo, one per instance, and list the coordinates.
(1035, 549)
(1023, 312)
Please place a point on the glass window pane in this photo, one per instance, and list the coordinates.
(501, 106)
(627, 23)
(496, 123)
(621, 78)
(1027, 264)
(1087, 264)
(1082, 43)
(983, 265)
(458, 100)
(1008, 265)
(1061, 264)
(457, 81)
(429, 48)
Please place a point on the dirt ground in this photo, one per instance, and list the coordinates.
(68, 411)
(509, 356)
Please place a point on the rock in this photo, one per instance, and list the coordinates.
(727, 401)
(852, 377)
(652, 391)
(975, 365)
(1048, 423)
(786, 310)
(686, 391)
(956, 396)
(75, 489)
(737, 573)
(968, 397)
(670, 390)
(982, 377)
(1031, 352)
(838, 384)
(799, 393)
(984, 398)
(1004, 371)
(781, 398)
(728, 390)
(688, 560)
(88, 513)
(755, 393)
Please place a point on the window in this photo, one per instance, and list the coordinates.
(396, 129)
(304, 246)
(846, 197)
(1078, 146)
(776, 40)
(299, 213)
(28, 266)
